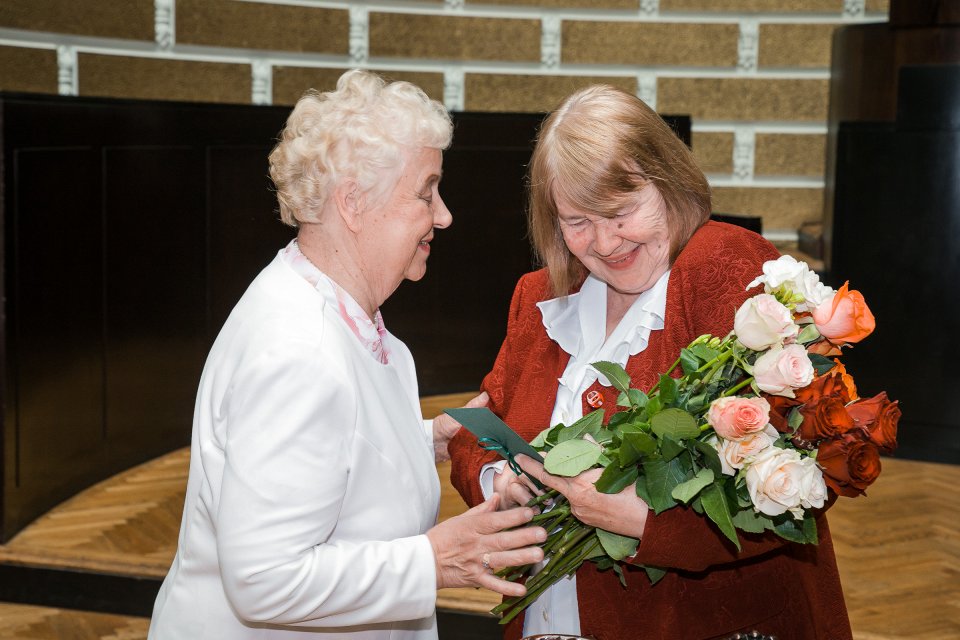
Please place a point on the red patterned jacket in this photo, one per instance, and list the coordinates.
(788, 590)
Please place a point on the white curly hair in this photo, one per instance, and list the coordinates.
(361, 130)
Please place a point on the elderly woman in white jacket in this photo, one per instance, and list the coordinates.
(313, 496)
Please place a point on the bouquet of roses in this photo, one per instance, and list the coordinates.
(754, 431)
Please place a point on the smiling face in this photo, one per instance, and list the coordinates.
(629, 251)
(400, 228)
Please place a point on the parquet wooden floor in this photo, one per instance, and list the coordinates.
(898, 549)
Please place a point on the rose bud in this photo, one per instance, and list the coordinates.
(849, 464)
(827, 418)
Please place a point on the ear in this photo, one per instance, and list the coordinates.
(350, 201)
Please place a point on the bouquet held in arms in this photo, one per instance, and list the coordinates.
(756, 429)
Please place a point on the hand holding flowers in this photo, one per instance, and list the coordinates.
(752, 434)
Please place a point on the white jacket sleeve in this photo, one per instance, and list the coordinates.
(290, 423)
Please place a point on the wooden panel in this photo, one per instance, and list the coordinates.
(54, 340)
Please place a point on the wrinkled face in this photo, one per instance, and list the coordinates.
(629, 251)
(402, 226)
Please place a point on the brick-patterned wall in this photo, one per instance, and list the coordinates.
(753, 74)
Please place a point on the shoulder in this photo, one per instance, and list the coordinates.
(719, 240)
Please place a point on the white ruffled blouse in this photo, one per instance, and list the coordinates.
(577, 323)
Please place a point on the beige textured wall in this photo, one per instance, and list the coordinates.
(753, 74)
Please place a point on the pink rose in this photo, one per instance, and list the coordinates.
(762, 322)
(736, 417)
(782, 369)
(735, 454)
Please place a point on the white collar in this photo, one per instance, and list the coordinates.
(577, 322)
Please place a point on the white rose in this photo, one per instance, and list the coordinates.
(775, 481)
(813, 490)
(762, 322)
(798, 277)
(782, 369)
(734, 454)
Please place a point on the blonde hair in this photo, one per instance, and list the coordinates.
(361, 131)
(597, 150)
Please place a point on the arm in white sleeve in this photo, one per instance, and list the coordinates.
(487, 473)
(290, 426)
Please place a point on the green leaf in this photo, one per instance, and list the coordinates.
(670, 448)
(685, 491)
(715, 504)
(617, 569)
(590, 423)
(676, 423)
(635, 445)
(668, 390)
(795, 419)
(572, 457)
(750, 521)
(820, 363)
(638, 397)
(604, 461)
(808, 334)
(653, 406)
(614, 479)
(789, 528)
(654, 573)
(709, 457)
(689, 361)
(541, 439)
(661, 478)
(616, 374)
(704, 352)
(617, 547)
(642, 491)
(619, 418)
(810, 530)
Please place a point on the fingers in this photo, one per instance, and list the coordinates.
(535, 469)
(481, 400)
(489, 505)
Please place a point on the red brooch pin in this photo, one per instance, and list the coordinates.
(594, 399)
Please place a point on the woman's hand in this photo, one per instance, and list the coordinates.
(514, 490)
(445, 427)
(468, 548)
(622, 513)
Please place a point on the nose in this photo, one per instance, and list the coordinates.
(605, 241)
(442, 218)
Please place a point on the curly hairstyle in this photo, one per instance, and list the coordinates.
(597, 150)
(361, 130)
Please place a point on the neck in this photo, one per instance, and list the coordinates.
(617, 306)
(338, 256)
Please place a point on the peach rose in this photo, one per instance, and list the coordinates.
(850, 464)
(736, 417)
(775, 481)
(844, 318)
(782, 369)
(762, 321)
(877, 418)
(735, 454)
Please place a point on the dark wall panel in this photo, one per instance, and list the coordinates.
(154, 266)
(54, 333)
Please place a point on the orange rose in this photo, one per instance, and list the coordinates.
(827, 418)
(877, 418)
(849, 464)
(835, 382)
(845, 318)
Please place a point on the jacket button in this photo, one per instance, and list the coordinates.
(594, 399)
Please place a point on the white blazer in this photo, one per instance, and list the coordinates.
(312, 482)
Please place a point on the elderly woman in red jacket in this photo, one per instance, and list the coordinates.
(619, 214)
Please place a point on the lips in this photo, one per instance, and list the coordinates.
(623, 260)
